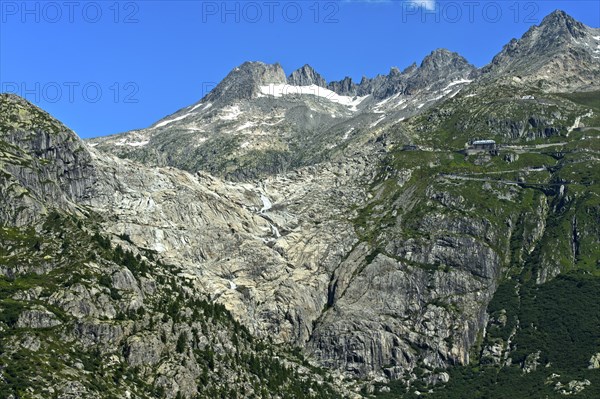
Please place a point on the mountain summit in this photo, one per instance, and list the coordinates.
(306, 76)
(438, 68)
(561, 54)
(563, 25)
(244, 82)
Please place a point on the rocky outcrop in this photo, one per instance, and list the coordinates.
(595, 361)
(37, 318)
(244, 82)
(144, 350)
(437, 70)
(557, 55)
(53, 164)
(306, 76)
(344, 87)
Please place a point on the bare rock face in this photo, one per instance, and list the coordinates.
(37, 318)
(344, 87)
(306, 76)
(53, 164)
(244, 82)
(144, 350)
(461, 275)
(595, 361)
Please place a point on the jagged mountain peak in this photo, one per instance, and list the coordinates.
(244, 81)
(562, 23)
(410, 69)
(394, 71)
(306, 76)
(442, 57)
(556, 29)
(437, 69)
(344, 87)
(559, 54)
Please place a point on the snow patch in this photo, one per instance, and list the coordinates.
(196, 106)
(164, 123)
(347, 134)
(245, 126)
(267, 204)
(456, 82)
(138, 144)
(377, 122)
(272, 123)
(280, 90)
(92, 144)
(206, 106)
(436, 98)
(454, 93)
(403, 103)
(383, 102)
(231, 113)
(275, 231)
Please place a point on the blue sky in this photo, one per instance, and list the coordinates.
(104, 67)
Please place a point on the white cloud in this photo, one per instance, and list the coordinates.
(426, 4)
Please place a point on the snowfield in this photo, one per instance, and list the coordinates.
(280, 90)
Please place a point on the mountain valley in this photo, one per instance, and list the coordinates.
(286, 237)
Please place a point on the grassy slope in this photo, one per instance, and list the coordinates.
(559, 318)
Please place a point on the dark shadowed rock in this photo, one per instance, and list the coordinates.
(306, 76)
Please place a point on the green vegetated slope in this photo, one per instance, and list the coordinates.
(508, 113)
(543, 203)
(106, 318)
(554, 324)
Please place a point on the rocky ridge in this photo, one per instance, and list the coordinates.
(561, 54)
(256, 123)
